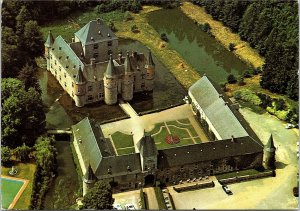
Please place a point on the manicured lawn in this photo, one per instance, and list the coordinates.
(123, 143)
(235, 174)
(9, 190)
(25, 171)
(198, 140)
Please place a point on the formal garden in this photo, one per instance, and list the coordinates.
(123, 143)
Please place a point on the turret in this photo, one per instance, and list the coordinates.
(79, 88)
(110, 83)
(88, 180)
(269, 154)
(127, 84)
(48, 45)
(150, 72)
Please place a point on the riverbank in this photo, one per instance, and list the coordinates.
(224, 35)
(147, 35)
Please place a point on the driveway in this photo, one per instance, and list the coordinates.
(129, 197)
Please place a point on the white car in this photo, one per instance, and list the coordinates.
(289, 126)
(129, 207)
(118, 207)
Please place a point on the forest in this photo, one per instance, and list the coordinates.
(271, 27)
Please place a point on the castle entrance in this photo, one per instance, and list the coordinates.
(149, 180)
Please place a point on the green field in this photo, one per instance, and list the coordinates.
(9, 189)
(181, 128)
(123, 143)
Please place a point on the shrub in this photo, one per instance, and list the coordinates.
(127, 16)
(266, 100)
(231, 46)
(111, 25)
(241, 81)
(231, 79)
(5, 156)
(164, 37)
(22, 152)
(134, 29)
(257, 71)
(247, 74)
(247, 96)
(205, 27)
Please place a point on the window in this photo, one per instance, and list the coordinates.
(65, 84)
(109, 52)
(72, 84)
(55, 62)
(72, 94)
(65, 75)
(143, 85)
(60, 78)
(95, 55)
(101, 95)
(109, 43)
(55, 72)
(51, 66)
(143, 76)
(100, 85)
(95, 46)
(59, 68)
(90, 97)
(90, 88)
(50, 56)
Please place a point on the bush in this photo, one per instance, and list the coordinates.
(164, 37)
(127, 16)
(205, 27)
(266, 100)
(134, 29)
(22, 152)
(231, 46)
(241, 81)
(111, 25)
(247, 74)
(257, 71)
(231, 79)
(5, 156)
(247, 96)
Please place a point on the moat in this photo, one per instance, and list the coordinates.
(199, 49)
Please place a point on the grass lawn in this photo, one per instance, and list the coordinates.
(181, 132)
(123, 143)
(25, 171)
(9, 189)
(235, 174)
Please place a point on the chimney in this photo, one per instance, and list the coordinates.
(92, 61)
(232, 139)
(92, 38)
(73, 39)
(99, 32)
(120, 56)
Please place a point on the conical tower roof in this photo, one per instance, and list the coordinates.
(50, 40)
(89, 175)
(79, 77)
(270, 144)
(150, 59)
(127, 63)
(147, 146)
(110, 70)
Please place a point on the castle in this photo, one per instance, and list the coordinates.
(90, 69)
(232, 146)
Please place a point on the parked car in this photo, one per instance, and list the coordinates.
(117, 207)
(129, 207)
(227, 190)
(289, 126)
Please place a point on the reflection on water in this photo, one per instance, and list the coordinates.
(167, 90)
(200, 50)
(63, 113)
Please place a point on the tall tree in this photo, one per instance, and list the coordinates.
(33, 39)
(27, 76)
(99, 197)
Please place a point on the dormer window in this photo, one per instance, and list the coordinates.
(108, 35)
(92, 38)
(95, 46)
(59, 48)
(109, 43)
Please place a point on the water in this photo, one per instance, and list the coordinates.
(200, 50)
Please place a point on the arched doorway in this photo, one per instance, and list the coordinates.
(149, 180)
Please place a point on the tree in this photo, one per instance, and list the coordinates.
(45, 154)
(127, 16)
(22, 152)
(5, 156)
(27, 76)
(231, 79)
(23, 117)
(33, 39)
(23, 17)
(99, 197)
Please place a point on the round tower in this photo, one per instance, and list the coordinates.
(79, 88)
(269, 154)
(110, 80)
(48, 45)
(88, 180)
(127, 85)
(150, 71)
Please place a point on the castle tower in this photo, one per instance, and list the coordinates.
(79, 88)
(88, 180)
(48, 44)
(127, 86)
(269, 154)
(150, 68)
(110, 83)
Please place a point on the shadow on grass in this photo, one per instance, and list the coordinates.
(280, 165)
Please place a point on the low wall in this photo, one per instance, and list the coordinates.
(231, 180)
(159, 109)
(195, 187)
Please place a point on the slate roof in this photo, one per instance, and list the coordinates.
(89, 34)
(183, 155)
(219, 110)
(79, 77)
(66, 56)
(150, 59)
(50, 40)
(92, 144)
(127, 63)
(110, 70)
(147, 146)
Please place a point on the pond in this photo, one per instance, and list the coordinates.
(199, 49)
(63, 113)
